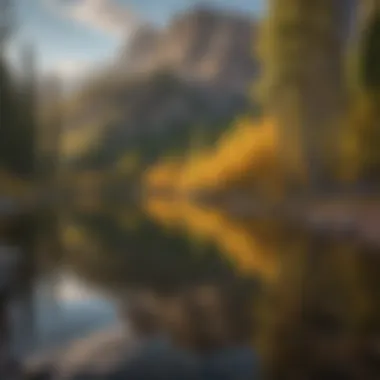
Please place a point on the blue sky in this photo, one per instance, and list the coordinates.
(72, 35)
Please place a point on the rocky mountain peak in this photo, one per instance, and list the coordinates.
(204, 44)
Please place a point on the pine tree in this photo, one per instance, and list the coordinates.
(17, 104)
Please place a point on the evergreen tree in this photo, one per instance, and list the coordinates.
(18, 121)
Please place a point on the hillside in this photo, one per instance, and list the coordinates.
(164, 86)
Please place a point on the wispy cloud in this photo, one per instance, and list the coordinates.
(107, 16)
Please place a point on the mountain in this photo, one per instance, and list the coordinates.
(163, 86)
(206, 45)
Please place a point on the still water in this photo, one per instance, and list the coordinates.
(304, 301)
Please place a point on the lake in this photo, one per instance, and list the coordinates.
(306, 301)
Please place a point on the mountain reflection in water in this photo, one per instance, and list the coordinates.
(307, 303)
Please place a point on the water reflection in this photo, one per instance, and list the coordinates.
(104, 249)
(249, 245)
(319, 311)
(309, 305)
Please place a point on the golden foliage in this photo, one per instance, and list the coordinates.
(244, 155)
(164, 174)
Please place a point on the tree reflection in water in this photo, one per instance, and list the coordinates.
(310, 305)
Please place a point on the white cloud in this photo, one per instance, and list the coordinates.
(73, 69)
(105, 15)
